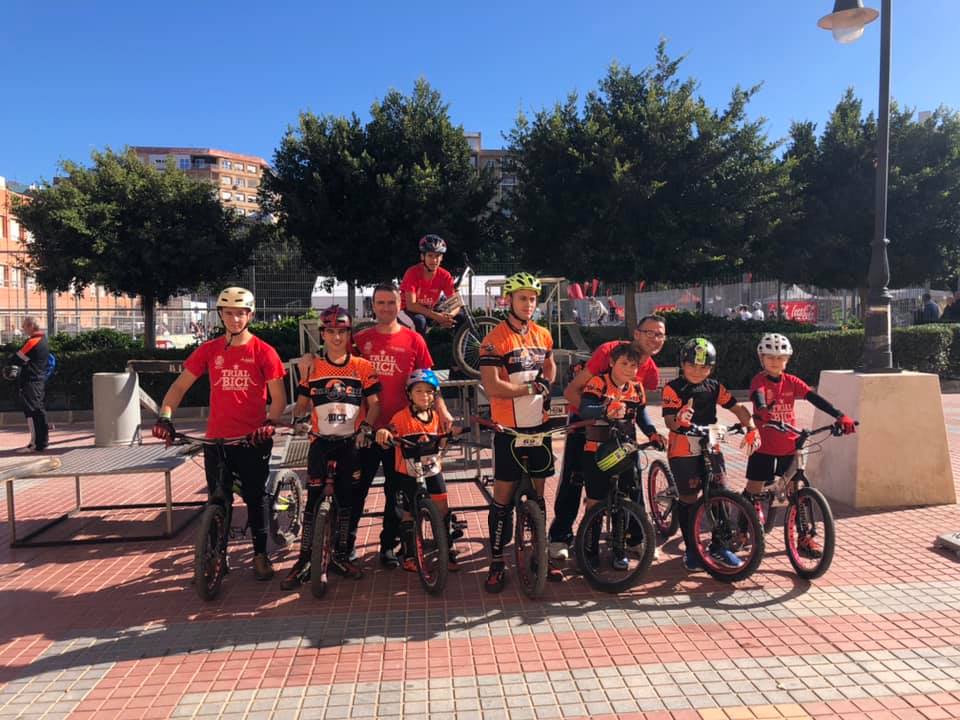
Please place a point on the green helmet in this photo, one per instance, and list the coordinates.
(521, 281)
(698, 351)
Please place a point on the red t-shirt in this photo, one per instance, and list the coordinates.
(647, 374)
(394, 357)
(238, 383)
(427, 291)
(780, 398)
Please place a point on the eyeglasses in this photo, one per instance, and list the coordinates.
(654, 334)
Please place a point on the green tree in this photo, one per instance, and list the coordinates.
(828, 241)
(358, 196)
(645, 182)
(132, 229)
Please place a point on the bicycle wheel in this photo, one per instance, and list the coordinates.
(433, 550)
(285, 508)
(466, 344)
(727, 526)
(809, 533)
(363, 324)
(210, 552)
(530, 548)
(662, 491)
(601, 546)
(320, 552)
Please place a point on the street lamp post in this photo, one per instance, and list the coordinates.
(847, 22)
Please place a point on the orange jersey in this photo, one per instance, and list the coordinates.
(631, 395)
(337, 393)
(518, 358)
(705, 396)
(426, 433)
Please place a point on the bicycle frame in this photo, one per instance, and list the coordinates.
(794, 476)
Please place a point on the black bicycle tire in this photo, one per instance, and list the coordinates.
(427, 507)
(208, 590)
(828, 541)
(771, 512)
(629, 579)
(665, 530)
(459, 356)
(320, 551)
(285, 537)
(533, 586)
(750, 566)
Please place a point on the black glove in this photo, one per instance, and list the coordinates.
(163, 430)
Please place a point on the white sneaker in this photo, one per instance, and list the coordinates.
(559, 551)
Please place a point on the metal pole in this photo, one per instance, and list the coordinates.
(877, 356)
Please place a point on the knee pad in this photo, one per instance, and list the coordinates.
(500, 522)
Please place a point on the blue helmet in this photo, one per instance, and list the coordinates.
(425, 376)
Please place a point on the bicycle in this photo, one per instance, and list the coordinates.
(431, 537)
(808, 513)
(615, 519)
(720, 519)
(662, 491)
(530, 529)
(283, 498)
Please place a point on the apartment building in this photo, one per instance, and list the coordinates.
(19, 294)
(236, 176)
(494, 159)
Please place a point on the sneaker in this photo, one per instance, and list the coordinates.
(455, 528)
(343, 567)
(691, 561)
(496, 577)
(262, 567)
(559, 551)
(299, 574)
(452, 564)
(389, 559)
(409, 565)
(809, 548)
(725, 556)
(620, 562)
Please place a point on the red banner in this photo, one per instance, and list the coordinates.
(664, 308)
(803, 311)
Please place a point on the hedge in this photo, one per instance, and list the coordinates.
(926, 348)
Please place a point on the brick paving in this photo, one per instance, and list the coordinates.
(115, 631)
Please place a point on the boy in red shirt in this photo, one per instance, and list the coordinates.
(424, 283)
(774, 393)
(242, 368)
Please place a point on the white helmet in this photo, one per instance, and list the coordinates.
(774, 344)
(236, 297)
(757, 305)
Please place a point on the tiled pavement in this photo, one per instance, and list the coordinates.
(116, 631)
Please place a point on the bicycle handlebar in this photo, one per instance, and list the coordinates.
(704, 430)
(180, 438)
(563, 429)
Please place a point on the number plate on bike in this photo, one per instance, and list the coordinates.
(529, 440)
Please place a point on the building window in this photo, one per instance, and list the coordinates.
(252, 169)
(239, 182)
(31, 283)
(225, 195)
(239, 197)
(183, 163)
(224, 163)
(14, 277)
(226, 180)
(3, 225)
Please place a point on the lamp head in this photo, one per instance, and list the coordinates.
(848, 19)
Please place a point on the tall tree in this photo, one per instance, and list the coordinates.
(645, 182)
(827, 242)
(132, 229)
(358, 196)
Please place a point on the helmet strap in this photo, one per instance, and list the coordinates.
(232, 335)
(524, 324)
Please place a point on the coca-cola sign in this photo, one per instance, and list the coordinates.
(803, 311)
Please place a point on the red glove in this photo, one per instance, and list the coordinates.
(751, 441)
(658, 441)
(163, 430)
(846, 424)
(263, 433)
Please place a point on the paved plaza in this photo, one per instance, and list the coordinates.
(116, 631)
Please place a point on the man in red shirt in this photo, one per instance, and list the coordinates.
(424, 283)
(242, 369)
(648, 340)
(395, 352)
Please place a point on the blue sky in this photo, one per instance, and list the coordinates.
(83, 75)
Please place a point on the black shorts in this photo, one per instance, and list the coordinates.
(344, 452)
(507, 458)
(763, 468)
(247, 465)
(597, 482)
(688, 472)
(408, 484)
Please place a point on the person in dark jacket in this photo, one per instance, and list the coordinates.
(930, 311)
(31, 359)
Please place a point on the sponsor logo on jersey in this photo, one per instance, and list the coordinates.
(385, 364)
(235, 379)
(218, 362)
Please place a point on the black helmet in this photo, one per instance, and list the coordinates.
(614, 457)
(432, 243)
(698, 351)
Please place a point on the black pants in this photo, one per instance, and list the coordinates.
(250, 466)
(31, 394)
(370, 460)
(566, 505)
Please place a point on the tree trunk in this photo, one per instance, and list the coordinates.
(630, 307)
(51, 313)
(149, 306)
(352, 298)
